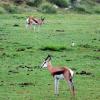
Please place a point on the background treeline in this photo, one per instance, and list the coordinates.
(50, 6)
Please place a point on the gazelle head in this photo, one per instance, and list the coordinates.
(45, 62)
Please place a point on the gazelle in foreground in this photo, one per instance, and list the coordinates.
(59, 73)
(32, 21)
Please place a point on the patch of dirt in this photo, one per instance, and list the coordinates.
(28, 47)
(97, 50)
(1, 49)
(83, 73)
(97, 58)
(86, 46)
(92, 57)
(63, 56)
(17, 17)
(13, 71)
(68, 59)
(20, 49)
(23, 92)
(1, 83)
(5, 54)
(28, 67)
(60, 30)
(94, 39)
(23, 48)
(25, 84)
(16, 25)
(53, 48)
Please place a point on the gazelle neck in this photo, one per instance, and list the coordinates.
(49, 66)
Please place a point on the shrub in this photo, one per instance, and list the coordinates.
(2, 10)
(82, 8)
(18, 1)
(33, 2)
(53, 48)
(97, 9)
(11, 8)
(98, 1)
(86, 46)
(60, 3)
(47, 8)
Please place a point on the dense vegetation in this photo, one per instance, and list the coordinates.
(50, 6)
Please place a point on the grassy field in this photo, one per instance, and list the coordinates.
(23, 50)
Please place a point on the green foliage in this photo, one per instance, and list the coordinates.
(82, 9)
(53, 48)
(60, 3)
(85, 6)
(33, 2)
(18, 1)
(47, 8)
(2, 10)
(11, 8)
(97, 9)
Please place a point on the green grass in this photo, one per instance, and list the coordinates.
(21, 54)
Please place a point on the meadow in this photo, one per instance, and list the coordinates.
(22, 51)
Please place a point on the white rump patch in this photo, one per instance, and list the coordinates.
(27, 20)
(72, 72)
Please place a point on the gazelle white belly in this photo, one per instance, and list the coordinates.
(60, 76)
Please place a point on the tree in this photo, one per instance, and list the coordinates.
(73, 3)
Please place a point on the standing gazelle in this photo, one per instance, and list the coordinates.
(59, 73)
(32, 21)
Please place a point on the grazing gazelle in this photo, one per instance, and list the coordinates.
(34, 21)
(59, 73)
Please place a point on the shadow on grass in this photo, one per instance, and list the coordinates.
(55, 48)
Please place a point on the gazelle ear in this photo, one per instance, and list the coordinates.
(48, 57)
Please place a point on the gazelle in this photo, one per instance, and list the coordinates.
(32, 21)
(59, 73)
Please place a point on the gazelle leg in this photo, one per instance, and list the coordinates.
(34, 28)
(56, 81)
(71, 85)
(26, 25)
(30, 26)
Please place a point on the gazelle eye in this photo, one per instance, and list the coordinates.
(45, 62)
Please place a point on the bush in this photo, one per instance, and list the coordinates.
(84, 8)
(33, 2)
(11, 8)
(60, 3)
(98, 1)
(2, 10)
(97, 9)
(81, 9)
(53, 48)
(47, 8)
(18, 1)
